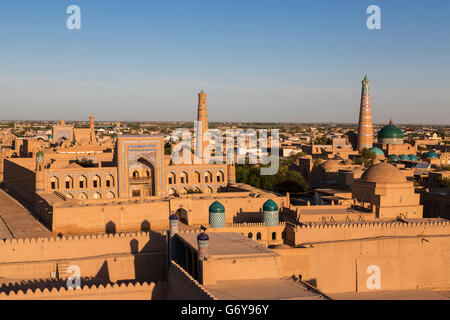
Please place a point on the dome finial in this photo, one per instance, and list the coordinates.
(390, 121)
(365, 77)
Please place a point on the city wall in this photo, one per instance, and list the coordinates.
(139, 256)
(137, 291)
(324, 213)
(297, 235)
(152, 213)
(19, 179)
(271, 235)
(405, 262)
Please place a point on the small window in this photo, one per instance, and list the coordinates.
(95, 183)
(258, 236)
(108, 183)
(53, 185)
(274, 236)
(67, 184)
(81, 184)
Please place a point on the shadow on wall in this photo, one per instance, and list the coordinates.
(110, 227)
(147, 261)
(103, 273)
(251, 217)
(312, 282)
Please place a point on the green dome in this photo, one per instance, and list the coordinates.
(413, 157)
(390, 132)
(430, 155)
(394, 157)
(40, 156)
(216, 207)
(377, 151)
(270, 205)
(404, 157)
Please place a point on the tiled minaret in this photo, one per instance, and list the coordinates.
(202, 118)
(365, 133)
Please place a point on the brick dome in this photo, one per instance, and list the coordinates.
(383, 173)
(331, 165)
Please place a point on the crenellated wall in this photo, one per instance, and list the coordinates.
(297, 235)
(403, 263)
(130, 291)
(257, 231)
(139, 256)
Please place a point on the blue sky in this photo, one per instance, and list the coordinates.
(258, 60)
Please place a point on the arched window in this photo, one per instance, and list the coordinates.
(109, 181)
(148, 174)
(82, 182)
(258, 236)
(69, 182)
(208, 177)
(83, 196)
(274, 236)
(69, 196)
(197, 177)
(184, 177)
(135, 174)
(96, 182)
(220, 177)
(250, 235)
(172, 178)
(54, 183)
(96, 195)
(110, 195)
(209, 190)
(172, 191)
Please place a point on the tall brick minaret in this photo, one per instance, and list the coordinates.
(91, 129)
(365, 133)
(202, 118)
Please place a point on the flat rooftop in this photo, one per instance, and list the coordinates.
(17, 222)
(227, 244)
(264, 289)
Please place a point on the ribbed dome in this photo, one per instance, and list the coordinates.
(413, 157)
(202, 237)
(331, 165)
(404, 157)
(383, 173)
(216, 207)
(394, 157)
(430, 155)
(390, 132)
(377, 151)
(270, 205)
